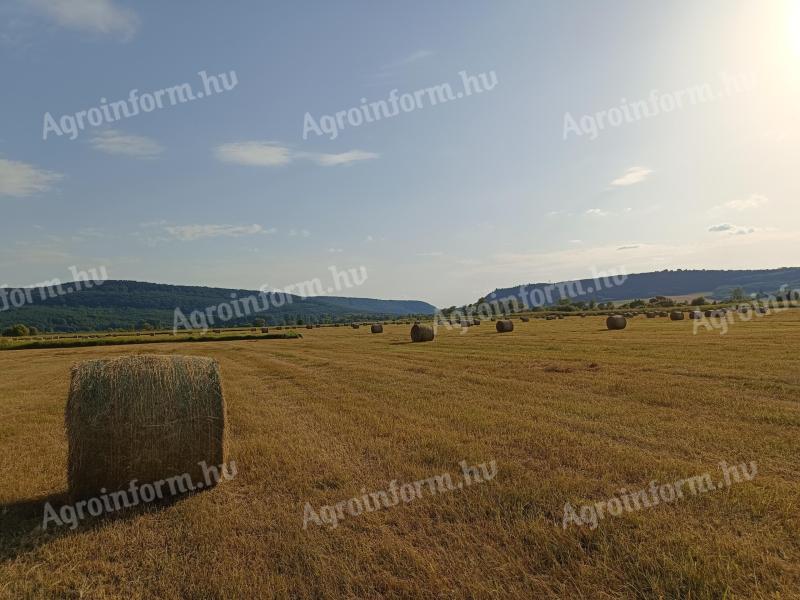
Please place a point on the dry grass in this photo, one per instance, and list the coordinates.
(570, 412)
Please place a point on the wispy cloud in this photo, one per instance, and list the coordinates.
(112, 141)
(22, 179)
(254, 154)
(754, 201)
(597, 212)
(96, 16)
(406, 60)
(345, 158)
(731, 229)
(632, 176)
(188, 233)
(273, 154)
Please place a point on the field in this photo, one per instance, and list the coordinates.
(569, 412)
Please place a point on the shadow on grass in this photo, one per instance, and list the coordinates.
(21, 522)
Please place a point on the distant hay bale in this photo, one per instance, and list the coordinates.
(504, 326)
(317, 325)
(676, 315)
(550, 318)
(309, 327)
(336, 324)
(651, 315)
(695, 314)
(143, 417)
(709, 313)
(422, 333)
(559, 316)
(279, 327)
(524, 319)
(217, 331)
(762, 310)
(616, 322)
(492, 319)
(476, 322)
(265, 330)
(354, 325)
(376, 328)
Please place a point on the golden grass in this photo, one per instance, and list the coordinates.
(569, 410)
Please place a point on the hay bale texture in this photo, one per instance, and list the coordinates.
(143, 417)
(524, 319)
(616, 322)
(676, 315)
(504, 326)
(265, 330)
(376, 328)
(422, 333)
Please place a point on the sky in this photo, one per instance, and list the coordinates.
(601, 137)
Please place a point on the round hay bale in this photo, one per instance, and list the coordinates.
(476, 322)
(559, 316)
(651, 315)
(695, 314)
(676, 315)
(762, 310)
(616, 322)
(143, 417)
(524, 319)
(354, 325)
(504, 326)
(309, 326)
(492, 319)
(376, 328)
(336, 324)
(265, 330)
(317, 325)
(709, 313)
(422, 333)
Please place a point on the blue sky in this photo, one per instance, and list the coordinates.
(442, 203)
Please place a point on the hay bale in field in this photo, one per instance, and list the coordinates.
(309, 327)
(336, 324)
(217, 331)
(762, 310)
(709, 313)
(676, 315)
(651, 315)
(265, 330)
(524, 319)
(504, 326)
(376, 328)
(550, 318)
(695, 314)
(143, 417)
(317, 325)
(492, 319)
(559, 316)
(476, 322)
(744, 309)
(422, 333)
(354, 325)
(616, 322)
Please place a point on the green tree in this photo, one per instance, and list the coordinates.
(16, 331)
(699, 301)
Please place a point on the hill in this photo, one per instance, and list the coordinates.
(716, 284)
(132, 304)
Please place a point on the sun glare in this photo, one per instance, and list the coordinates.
(794, 27)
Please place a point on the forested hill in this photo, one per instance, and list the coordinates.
(133, 304)
(713, 284)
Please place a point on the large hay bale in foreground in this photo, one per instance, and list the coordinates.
(376, 328)
(143, 417)
(676, 315)
(616, 322)
(422, 333)
(504, 326)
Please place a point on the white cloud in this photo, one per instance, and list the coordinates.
(596, 212)
(98, 16)
(254, 154)
(272, 154)
(731, 229)
(754, 201)
(21, 179)
(632, 176)
(345, 158)
(631, 247)
(335, 250)
(186, 233)
(112, 141)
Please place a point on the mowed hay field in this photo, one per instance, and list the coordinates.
(570, 412)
